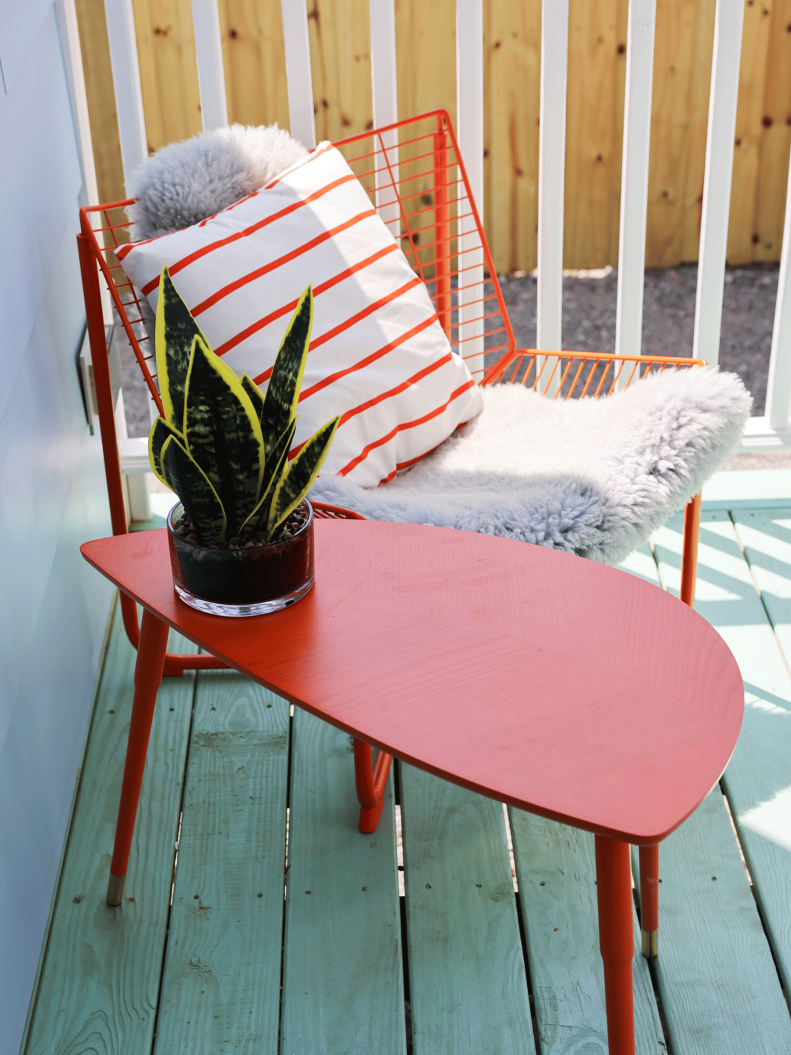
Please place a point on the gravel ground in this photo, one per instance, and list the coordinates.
(589, 323)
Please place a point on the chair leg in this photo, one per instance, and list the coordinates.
(649, 899)
(689, 560)
(370, 780)
(616, 941)
(148, 675)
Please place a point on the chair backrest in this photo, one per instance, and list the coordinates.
(414, 173)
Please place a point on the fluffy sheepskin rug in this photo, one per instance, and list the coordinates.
(592, 476)
(185, 182)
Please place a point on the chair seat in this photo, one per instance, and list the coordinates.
(589, 476)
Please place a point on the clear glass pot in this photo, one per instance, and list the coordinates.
(242, 582)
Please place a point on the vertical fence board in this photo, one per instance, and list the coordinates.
(698, 115)
(340, 52)
(775, 137)
(589, 123)
(670, 127)
(747, 137)
(511, 93)
(168, 71)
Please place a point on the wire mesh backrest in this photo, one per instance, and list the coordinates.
(414, 174)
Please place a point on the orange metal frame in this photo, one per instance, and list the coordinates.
(425, 179)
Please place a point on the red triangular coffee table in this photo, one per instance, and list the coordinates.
(555, 684)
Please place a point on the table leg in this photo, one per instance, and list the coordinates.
(148, 675)
(649, 899)
(370, 779)
(616, 941)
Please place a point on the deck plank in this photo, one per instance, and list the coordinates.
(556, 872)
(100, 980)
(716, 971)
(466, 966)
(343, 987)
(766, 538)
(221, 985)
(757, 779)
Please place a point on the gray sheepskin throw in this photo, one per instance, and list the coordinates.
(183, 183)
(592, 476)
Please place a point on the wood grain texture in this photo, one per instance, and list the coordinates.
(593, 26)
(556, 871)
(466, 966)
(409, 628)
(717, 980)
(747, 140)
(165, 44)
(340, 58)
(252, 41)
(342, 970)
(100, 979)
(512, 58)
(697, 123)
(254, 60)
(674, 71)
(221, 985)
(775, 136)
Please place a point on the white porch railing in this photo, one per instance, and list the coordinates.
(771, 431)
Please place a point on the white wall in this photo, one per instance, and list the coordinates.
(53, 607)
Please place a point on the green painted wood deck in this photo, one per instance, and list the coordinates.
(257, 920)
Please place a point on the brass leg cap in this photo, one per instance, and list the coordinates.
(115, 889)
(650, 943)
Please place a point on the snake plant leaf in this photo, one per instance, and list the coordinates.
(282, 393)
(160, 431)
(201, 502)
(272, 473)
(175, 332)
(255, 394)
(223, 433)
(298, 478)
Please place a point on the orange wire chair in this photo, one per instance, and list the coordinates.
(414, 171)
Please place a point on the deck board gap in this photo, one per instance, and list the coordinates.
(405, 969)
(660, 1007)
(525, 954)
(732, 819)
(510, 841)
(195, 683)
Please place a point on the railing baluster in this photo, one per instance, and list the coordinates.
(551, 176)
(208, 51)
(298, 76)
(385, 100)
(717, 180)
(778, 387)
(126, 83)
(469, 122)
(634, 176)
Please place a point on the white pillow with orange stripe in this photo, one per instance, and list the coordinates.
(378, 355)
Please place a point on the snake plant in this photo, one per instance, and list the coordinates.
(222, 446)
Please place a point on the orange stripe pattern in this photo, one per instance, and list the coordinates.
(378, 355)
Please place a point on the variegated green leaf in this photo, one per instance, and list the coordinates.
(282, 393)
(298, 478)
(160, 431)
(255, 394)
(272, 473)
(201, 502)
(223, 433)
(175, 331)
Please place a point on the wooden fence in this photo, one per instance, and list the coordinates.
(252, 40)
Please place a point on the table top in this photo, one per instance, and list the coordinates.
(558, 685)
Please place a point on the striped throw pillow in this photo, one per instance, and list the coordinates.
(378, 355)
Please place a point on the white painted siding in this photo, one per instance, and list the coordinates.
(52, 497)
